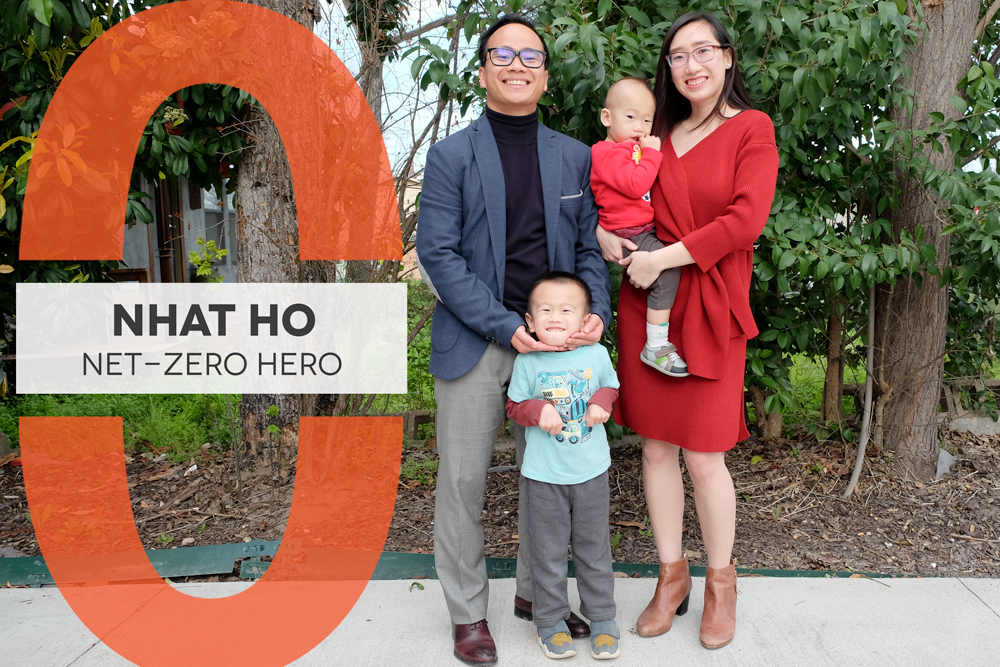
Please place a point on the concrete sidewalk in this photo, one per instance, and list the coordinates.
(780, 621)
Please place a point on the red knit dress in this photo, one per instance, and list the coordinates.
(716, 198)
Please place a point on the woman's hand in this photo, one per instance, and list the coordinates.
(612, 244)
(643, 268)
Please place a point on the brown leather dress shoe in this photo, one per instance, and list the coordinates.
(577, 626)
(673, 590)
(474, 644)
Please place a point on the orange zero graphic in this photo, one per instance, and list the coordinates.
(74, 468)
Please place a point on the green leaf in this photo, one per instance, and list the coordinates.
(471, 27)
(866, 30)
(787, 95)
(602, 8)
(142, 212)
(756, 459)
(776, 25)
(787, 259)
(437, 71)
(639, 16)
(797, 79)
(42, 34)
(867, 263)
(61, 18)
(974, 73)
(80, 13)
(418, 64)
(792, 17)
(783, 286)
(42, 10)
(887, 12)
(824, 77)
(840, 52)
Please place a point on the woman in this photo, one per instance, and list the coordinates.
(711, 200)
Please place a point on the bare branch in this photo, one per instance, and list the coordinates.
(979, 153)
(427, 27)
(981, 26)
(852, 149)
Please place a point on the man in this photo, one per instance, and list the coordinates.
(503, 202)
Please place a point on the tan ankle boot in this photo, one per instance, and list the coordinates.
(718, 621)
(673, 589)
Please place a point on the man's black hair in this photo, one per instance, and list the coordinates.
(563, 277)
(507, 19)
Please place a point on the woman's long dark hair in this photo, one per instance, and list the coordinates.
(671, 106)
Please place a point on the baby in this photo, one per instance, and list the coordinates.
(625, 166)
(564, 398)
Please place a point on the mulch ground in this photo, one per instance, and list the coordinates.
(789, 511)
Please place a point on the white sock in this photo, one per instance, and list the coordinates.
(656, 334)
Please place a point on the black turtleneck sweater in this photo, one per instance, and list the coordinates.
(527, 256)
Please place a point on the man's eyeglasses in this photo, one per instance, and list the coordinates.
(702, 54)
(502, 56)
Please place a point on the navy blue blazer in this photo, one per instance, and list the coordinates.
(462, 238)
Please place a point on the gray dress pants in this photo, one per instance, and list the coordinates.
(470, 410)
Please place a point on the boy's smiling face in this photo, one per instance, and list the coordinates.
(557, 311)
(629, 112)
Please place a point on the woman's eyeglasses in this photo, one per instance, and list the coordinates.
(702, 54)
(502, 56)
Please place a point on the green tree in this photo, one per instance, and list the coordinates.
(859, 140)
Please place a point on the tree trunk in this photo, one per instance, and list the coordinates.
(833, 388)
(370, 78)
(267, 248)
(912, 317)
(771, 425)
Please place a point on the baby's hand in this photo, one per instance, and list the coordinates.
(650, 142)
(550, 421)
(596, 415)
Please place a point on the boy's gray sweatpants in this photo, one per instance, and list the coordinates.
(577, 514)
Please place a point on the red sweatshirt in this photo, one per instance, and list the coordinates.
(621, 176)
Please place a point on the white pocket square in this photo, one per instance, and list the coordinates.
(579, 194)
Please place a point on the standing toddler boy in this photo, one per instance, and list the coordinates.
(564, 398)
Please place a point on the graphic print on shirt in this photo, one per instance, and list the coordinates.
(569, 391)
(636, 157)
